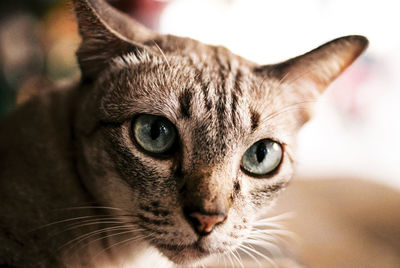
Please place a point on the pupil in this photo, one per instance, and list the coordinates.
(261, 152)
(155, 130)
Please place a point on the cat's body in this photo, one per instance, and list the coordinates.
(36, 151)
(83, 186)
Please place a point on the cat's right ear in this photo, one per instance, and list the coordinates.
(106, 33)
(311, 73)
(302, 79)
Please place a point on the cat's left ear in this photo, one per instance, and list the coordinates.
(106, 33)
(309, 75)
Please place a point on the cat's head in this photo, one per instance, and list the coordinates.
(192, 141)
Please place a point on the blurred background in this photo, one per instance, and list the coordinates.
(356, 128)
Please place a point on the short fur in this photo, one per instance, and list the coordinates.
(76, 191)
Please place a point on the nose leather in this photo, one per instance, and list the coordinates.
(205, 223)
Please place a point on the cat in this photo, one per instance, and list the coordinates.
(166, 147)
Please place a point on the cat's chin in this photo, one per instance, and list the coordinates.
(184, 254)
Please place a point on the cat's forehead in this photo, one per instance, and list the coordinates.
(189, 62)
(201, 79)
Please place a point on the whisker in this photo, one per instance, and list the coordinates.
(223, 259)
(80, 238)
(275, 225)
(68, 220)
(264, 237)
(282, 216)
(280, 82)
(251, 255)
(76, 226)
(266, 234)
(230, 258)
(284, 233)
(288, 108)
(269, 243)
(163, 54)
(115, 234)
(92, 207)
(293, 237)
(236, 258)
(109, 220)
(268, 259)
(240, 258)
(120, 243)
(264, 244)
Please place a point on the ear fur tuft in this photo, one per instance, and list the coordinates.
(106, 33)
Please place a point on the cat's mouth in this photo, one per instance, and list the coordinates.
(182, 254)
(178, 248)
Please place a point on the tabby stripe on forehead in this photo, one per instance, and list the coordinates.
(221, 108)
(224, 70)
(185, 100)
(238, 79)
(234, 104)
(255, 119)
(204, 88)
(207, 100)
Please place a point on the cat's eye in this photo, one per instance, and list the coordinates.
(154, 134)
(262, 157)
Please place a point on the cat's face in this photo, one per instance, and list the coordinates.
(189, 140)
(216, 115)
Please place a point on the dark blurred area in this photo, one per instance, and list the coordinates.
(38, 40)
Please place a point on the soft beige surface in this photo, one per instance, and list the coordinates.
(344, 222)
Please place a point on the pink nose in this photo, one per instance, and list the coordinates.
(204, 223)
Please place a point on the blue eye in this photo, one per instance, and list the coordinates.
(262, 157)
(154, 134)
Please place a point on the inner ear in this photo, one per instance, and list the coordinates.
(106, 33)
